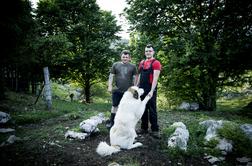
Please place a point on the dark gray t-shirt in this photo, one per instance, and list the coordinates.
(123, 75)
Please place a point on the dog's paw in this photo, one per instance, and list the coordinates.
(137, 144)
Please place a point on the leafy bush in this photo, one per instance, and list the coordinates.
(241, 143)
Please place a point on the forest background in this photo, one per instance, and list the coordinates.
(204, 46)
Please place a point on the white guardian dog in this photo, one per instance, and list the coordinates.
(123, 133)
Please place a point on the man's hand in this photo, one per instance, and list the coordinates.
(150, 94)
(109, 89)
(110, 82)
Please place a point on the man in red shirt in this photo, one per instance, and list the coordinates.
(149, 70)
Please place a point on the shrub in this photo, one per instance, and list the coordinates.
(241, 143)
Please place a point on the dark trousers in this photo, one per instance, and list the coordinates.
(116, 97)
(150, 113)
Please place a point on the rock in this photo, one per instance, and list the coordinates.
(212, 126)
(90, 124)
(6, 130)
(247, 129)
(180, 136)
(4, 117)
(78, 135)
(243, 159)
(225, 146)
(189, 106)
(212, 159)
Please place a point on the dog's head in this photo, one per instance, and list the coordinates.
(136, 92)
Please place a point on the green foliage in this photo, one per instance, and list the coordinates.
(4, 137)
(234, 103)
(100, 93)
(138, 41)
(34, 116)
(90, 33)
(210, 147)
(18, 30)
(168, 131)
(28, 113)
(196, 138)
(241, 143)
(197, 145)
(60, 91)
(176, 153)
(52, 51)
(73, 115)
(162, 101)
(203, 45)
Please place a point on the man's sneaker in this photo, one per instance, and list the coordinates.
(155, 134)
(142, 131)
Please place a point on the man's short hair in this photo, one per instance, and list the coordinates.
(125, 52)
(149, 46)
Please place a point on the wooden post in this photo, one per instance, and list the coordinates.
(47, 88)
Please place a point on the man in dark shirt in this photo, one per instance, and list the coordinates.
(124, 73)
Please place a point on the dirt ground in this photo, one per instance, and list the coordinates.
(54, 149)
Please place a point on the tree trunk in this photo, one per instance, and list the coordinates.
(210, 101)
(209, 94)
(33, 87)
(87, 90)
(2, 83)
(37, 87)
(16, 75)
(48, 94)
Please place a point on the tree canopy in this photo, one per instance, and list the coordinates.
(89, 33)
(203, 45)
(17, 29)
(206, 44)
(72, 37)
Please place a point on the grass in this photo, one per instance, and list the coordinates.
(228, 110)
(242, 144)
(232, 104)
(23, 113)
(197, 146)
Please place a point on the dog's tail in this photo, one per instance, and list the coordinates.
(104, 149)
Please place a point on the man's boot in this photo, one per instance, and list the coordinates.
(112, 118)
(111, 121)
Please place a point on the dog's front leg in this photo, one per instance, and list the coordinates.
(142, 106)
(146, 99)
